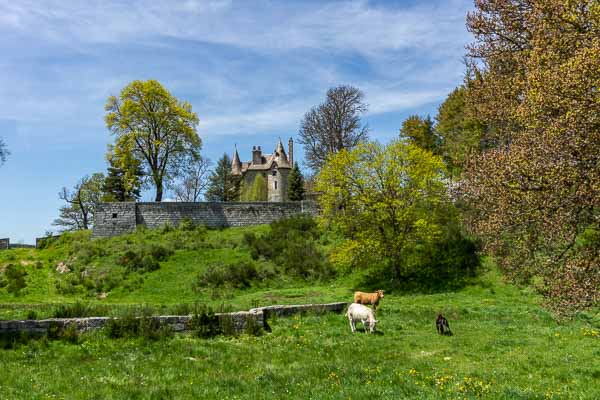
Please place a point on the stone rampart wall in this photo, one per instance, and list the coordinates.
(113, 219)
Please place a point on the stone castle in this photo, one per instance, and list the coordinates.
(274, 167)
(111, 219)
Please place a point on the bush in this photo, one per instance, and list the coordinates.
(239, 275)
(14, 279)
(292, 245)
(204, 323)
(446, 264)
(144, 258)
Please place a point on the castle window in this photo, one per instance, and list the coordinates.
(275, 184)
(274, 172)
(114, 215)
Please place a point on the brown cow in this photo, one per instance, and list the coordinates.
(368, 298)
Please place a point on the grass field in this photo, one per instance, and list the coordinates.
(505, 345)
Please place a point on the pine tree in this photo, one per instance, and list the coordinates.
(421, 132)
(295, 184)
(223, 185)
(120, 185)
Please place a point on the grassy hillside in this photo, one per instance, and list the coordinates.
(504, 346)
(173, 283)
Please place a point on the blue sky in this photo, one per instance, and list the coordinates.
(250, 69)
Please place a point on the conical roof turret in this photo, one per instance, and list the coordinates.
(236, 164)
(280, 157)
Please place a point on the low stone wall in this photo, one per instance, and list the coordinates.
(236, 322)
(113, 219)
(289, 310)
(42, 242)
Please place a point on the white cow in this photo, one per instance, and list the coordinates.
(358, 312)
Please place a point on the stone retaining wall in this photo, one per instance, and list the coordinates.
(113, 219)
(237, 322)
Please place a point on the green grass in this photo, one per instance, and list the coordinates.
(505, 345)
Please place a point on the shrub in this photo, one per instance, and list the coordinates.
(204, 323)
(446, 264)
(144, 258)
(186, 224)
(14, 279)
(239, 275)
(292, 244)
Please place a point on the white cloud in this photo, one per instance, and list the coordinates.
(279, 57)
(355, 25)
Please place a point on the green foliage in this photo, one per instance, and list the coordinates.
(204, 323)
(257, 191)
(79, 310)
(391, 205)
(420, 132)
(295, 184)
(291, 245)
(154, 128)
(13, 278)
(222, 184)
(144, 258)
(235, 275)
(461, 133)
(124, 176)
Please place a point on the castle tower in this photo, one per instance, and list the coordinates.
(236, 164)
(291, 152)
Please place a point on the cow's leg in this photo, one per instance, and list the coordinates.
(352, 326)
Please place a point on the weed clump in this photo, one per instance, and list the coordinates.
(133, 326)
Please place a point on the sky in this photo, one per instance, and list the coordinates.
(251, 70)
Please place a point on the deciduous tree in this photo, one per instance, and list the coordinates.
(386, 200)
(534, 74)
(81, 202)
(333, 125)
(193, 181)
(161, 128)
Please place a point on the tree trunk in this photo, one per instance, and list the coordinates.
(159, 191)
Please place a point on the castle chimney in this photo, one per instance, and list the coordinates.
(256, 155)
(291, 152)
